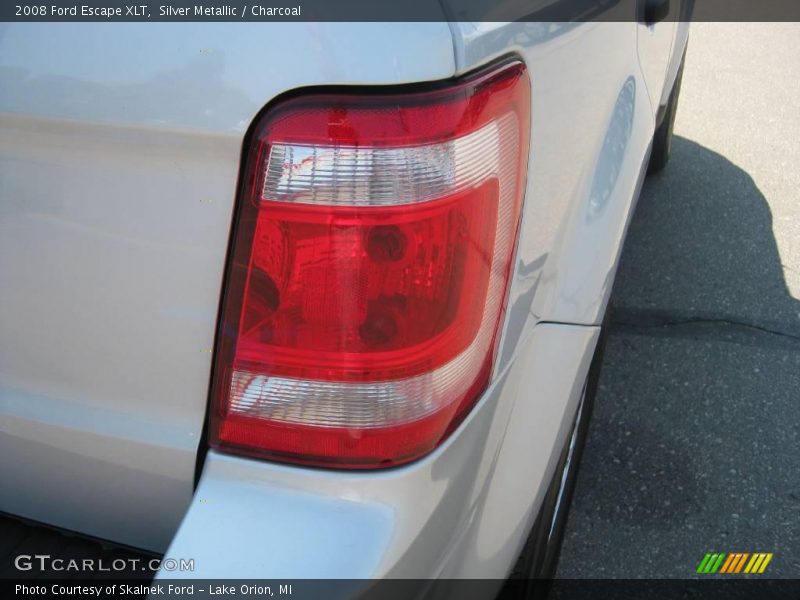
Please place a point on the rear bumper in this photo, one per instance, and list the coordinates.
(462, 511)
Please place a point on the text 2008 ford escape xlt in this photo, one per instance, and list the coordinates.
(315, 300)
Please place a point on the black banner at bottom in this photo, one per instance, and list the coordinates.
(407, 589)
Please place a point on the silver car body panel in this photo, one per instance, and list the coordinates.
(118, 176)
(119, 157)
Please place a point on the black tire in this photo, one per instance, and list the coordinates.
(536, 566)
(662, 138)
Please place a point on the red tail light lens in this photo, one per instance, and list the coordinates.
(371, 258)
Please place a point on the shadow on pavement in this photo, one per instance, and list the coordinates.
(700, 246)
(694, 445)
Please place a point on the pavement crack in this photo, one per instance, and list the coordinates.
(642, 320)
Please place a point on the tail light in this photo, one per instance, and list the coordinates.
(370, 261)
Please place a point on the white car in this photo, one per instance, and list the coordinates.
(315, 300)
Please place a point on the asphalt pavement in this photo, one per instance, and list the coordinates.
(694, 445)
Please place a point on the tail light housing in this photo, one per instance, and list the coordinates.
(367, 280)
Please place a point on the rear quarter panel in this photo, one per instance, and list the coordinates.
(119, 156)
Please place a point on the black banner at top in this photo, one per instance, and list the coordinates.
(400, 10)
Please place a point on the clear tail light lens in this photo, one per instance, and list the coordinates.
(370, 263)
